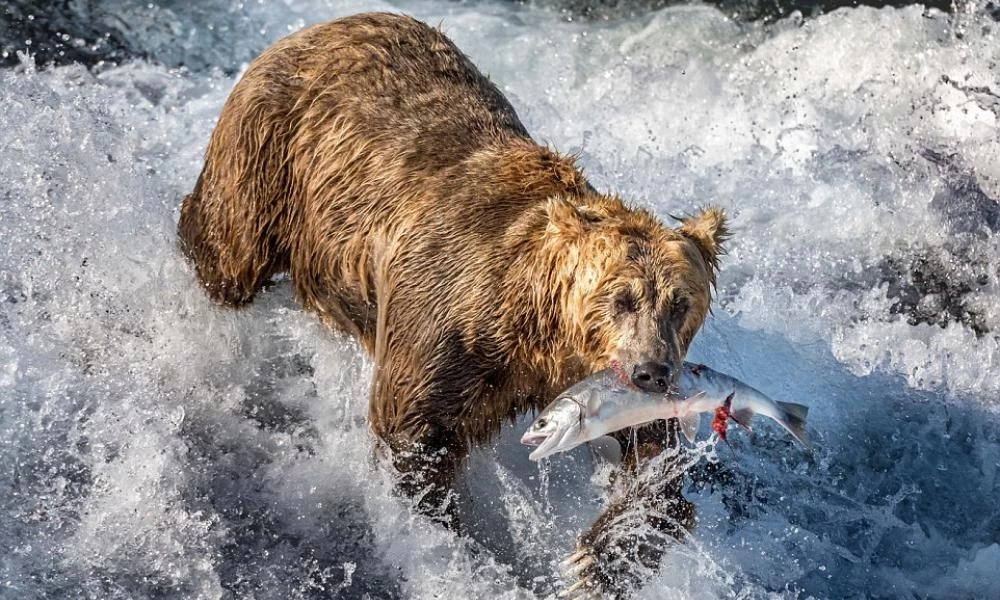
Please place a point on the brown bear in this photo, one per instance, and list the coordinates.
(370, 159)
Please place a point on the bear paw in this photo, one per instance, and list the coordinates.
(612, 566)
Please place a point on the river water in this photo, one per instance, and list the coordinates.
(153, 445)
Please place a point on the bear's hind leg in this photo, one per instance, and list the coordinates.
(233, 226)
(233, 252)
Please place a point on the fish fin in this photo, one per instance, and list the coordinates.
(607, 448)
(795, 421)
(593, 404)
(798, 411)
(689, 425)
(743, 417)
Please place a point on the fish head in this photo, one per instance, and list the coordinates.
(550, 421)
(562, 424)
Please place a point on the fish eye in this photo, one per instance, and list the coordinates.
(541, 423)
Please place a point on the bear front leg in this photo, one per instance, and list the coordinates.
(427, 464)
(406, 410)
(645, 514)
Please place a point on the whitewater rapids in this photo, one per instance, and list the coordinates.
(153, 445)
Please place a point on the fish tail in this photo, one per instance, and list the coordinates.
(795, 421)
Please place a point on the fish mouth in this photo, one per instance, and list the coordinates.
(544, 450)
(533, 439)
(553, 443)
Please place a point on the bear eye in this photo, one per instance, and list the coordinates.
(624, 303)
(678, 310)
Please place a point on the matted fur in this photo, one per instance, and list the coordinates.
(372, 160)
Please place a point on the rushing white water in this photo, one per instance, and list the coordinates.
(153, 445)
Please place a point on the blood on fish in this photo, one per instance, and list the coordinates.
(618, 370)
(719, 423)
(722, 415)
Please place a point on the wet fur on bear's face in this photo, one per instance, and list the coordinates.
(638, 291)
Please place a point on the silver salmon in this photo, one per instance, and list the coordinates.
(606, 402)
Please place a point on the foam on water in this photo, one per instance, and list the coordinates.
(154, 445)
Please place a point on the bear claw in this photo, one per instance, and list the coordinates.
(574, 570)
(572, 560)
(575, 591)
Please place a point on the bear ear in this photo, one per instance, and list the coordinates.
(565, 218)
(708, 231)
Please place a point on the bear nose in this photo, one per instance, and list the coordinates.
(652, 376)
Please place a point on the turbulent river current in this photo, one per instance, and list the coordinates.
(153, 445)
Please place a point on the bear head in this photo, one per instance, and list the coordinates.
(635, 291)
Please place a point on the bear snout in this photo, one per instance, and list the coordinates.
(653, 376)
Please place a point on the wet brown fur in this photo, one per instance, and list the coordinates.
(370, 159)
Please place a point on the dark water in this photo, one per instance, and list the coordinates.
(197, 35)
